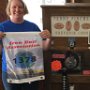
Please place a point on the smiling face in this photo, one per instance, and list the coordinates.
(16, 11)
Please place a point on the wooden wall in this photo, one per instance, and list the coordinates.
(3, 17)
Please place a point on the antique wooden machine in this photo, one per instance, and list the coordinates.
(70, 45)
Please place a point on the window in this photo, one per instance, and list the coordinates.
(54, 2)
(35, 11)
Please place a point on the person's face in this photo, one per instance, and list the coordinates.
(16, 9)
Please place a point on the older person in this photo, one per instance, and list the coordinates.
(16, 9)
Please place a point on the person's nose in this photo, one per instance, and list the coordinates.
(17, 9)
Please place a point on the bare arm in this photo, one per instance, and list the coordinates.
(46, 43)
(45, 34)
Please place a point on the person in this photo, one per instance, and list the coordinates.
(16, 9)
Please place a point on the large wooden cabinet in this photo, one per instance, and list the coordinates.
(77, 80)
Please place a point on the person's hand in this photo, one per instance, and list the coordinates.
(1, 35)
(45, 34)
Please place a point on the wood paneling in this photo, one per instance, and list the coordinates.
(3, 17)
(78, 1)
(84, 1)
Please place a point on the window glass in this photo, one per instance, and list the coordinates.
(35, 10)
(54, 2)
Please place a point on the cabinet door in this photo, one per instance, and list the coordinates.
(80, 86)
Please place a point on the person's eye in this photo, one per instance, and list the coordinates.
(20, 7)
(13, 7)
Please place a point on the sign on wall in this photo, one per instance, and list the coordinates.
(70, 26)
